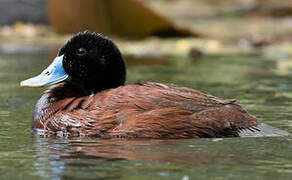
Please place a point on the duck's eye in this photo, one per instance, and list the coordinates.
(81, 52)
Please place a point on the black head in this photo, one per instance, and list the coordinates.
(93, 63)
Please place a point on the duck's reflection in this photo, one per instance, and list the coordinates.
(177, 151)
(113, 158)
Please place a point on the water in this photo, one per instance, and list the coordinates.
(256, 82)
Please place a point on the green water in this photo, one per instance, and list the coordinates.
(253, 80)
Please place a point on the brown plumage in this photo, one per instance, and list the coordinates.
(142, 110)
(93, 100)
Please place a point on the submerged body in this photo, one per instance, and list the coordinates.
(89, 97)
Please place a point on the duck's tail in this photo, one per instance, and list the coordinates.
(263, 130)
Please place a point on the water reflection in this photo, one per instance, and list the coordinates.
(122, 149)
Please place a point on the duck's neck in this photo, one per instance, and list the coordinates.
(87, 87)
(74, 88)
(99, 79)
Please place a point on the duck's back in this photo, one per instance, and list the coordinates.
(143, 110)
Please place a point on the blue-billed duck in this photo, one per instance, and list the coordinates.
(88, 96)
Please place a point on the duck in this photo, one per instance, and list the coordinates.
(87, 96)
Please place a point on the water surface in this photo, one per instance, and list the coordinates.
(253, 80)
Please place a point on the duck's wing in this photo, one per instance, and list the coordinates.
(215, 117)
